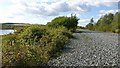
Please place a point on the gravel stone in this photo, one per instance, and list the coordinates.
(89, 48)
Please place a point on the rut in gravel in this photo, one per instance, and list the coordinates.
(89, 49)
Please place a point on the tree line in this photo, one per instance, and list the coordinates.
(107, 23)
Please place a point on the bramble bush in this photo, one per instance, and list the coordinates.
(31, 35)
(35, 46)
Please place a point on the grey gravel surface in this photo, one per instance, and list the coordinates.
(89, 48)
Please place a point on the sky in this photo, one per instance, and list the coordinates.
(43, 11)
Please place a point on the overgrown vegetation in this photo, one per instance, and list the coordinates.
(69, 22)
(34, 45)
(109, 22)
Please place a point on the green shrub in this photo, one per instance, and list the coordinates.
(117, 31)
(56, 39)
(9, 39)
(24, 55)
(61, 30)
(35, 45)
(69, 22)
(32, 35)
(90, 26)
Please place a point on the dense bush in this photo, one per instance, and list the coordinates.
(20, 55)
(32, 34)
(34, 46)
(10, 39)
(90, 26)
(69, 22)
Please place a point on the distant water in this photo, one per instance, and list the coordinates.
(3, 32)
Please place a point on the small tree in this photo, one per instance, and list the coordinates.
(90, 26)
(91, 21)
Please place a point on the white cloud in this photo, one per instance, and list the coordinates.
(83, 22)
(107, 11)
(54, 8)
(20, 10)
(110, 0)
(103, 12)
(40, 10)
(96, 2)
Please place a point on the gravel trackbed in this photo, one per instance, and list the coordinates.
(89, 48)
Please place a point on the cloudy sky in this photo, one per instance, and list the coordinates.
(43, 11)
